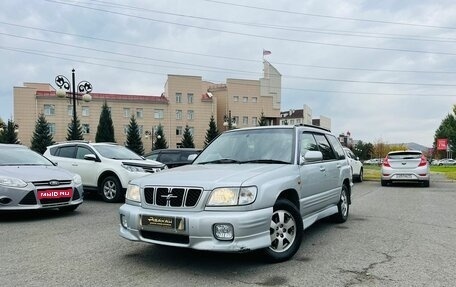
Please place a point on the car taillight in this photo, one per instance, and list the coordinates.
(423, 161)
(386, 162)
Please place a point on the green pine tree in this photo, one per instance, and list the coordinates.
(42, 136)
(134, 141)
(160, 140)
(9, 135)
(74, 130)
(2, 130)
(263, 121)
(212, 132)
(105, 129)
(187, 138)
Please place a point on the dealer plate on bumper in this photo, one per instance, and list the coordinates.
(163, 222)
(403, 176)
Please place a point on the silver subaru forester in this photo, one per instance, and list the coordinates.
(252, 188)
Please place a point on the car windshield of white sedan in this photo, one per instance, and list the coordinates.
(116, 152)
(404, 155)
(274, 146)
(21, 156)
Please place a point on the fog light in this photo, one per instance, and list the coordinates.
(223, 231)
(123, 221)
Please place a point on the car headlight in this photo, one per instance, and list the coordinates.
(12, 181)
(77, 179)
(226, 196)
(133, 193)
(132, 168)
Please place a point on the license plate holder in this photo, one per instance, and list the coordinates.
(163, 222)
(55, 193)
(403, 176)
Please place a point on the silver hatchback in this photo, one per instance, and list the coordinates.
(405, 166)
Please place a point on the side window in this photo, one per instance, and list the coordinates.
(325, 147)
(82, 151)
(66, 151)
(308, 143)
(336, 146)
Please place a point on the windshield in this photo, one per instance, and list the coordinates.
(405, 155)
(116, 152)
(250, 146)
(21, 156)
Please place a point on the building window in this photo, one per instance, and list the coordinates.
(70, 110)
(140, 130)
(191, 130)
(158, 114)
(298, 121)
(85, 128)
(178, 97)
(126, 129)
(51, 128)
(49, 110)
(236, 119)
(178, 114)
(254, 121)
(85, 111)
(179, 131)
(254, 99)
(245, 120)
(190, 115)
(291, 122)
(126, 112)
(245, 99)
(190, 98)
(236, 99)
(139, 113)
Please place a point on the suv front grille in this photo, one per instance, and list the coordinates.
(172, 196)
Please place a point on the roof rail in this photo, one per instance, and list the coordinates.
(313, 126)
(73, 141)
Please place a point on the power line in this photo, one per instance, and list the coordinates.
(221, 56)
(329, 16)
(258, 36)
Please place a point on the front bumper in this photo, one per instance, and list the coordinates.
(251, 228)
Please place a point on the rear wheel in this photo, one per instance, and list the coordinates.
(110, 189)
(285, 230)
(361, 175)
(342, 207)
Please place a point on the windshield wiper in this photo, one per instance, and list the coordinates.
(222, 160)
(265, 161)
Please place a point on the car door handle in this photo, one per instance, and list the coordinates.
(339, 165)
(74, 164)
(322, 168)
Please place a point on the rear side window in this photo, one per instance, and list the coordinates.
(336, 146)
(325, 147)
(66, 151)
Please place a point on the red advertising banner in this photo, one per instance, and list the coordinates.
(442, 144)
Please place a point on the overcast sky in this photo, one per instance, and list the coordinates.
(383, 70)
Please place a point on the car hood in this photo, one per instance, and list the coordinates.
(147, 162)
(36, 173)
(210, 176)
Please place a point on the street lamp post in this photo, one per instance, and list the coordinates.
(229, 121)
(83, 87)
(151, 133)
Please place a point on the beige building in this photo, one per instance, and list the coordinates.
(186, 100)
(303, 116)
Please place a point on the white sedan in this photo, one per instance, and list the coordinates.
(356, 165)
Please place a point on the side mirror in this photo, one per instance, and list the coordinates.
(91, 157)
(192, 157)
(311, 156)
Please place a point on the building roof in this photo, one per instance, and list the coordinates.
(114, 97)
(292, 114)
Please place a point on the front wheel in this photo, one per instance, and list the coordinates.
(342, 207)
(110, 189)
(285, 230)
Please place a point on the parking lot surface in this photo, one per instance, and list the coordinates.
(402, 235)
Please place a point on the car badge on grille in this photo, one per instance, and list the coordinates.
(54, 182)
(168, 197)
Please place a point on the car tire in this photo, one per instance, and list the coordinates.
(286, 231)
(110, 189)
(343, 206)
(361, 175)
(426, 183)
(69, 208)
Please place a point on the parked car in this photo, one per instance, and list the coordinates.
(405, 166)
(252, 188)
(174, 157)
(376, 161)
(447, 161)
(104, 167)
(355, 164)
(30, 181)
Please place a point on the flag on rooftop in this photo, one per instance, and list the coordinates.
(266, 52)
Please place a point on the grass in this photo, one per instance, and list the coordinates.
(372, 172)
